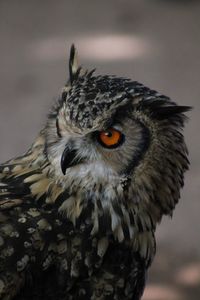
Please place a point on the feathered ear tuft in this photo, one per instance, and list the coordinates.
(167, 112)
(163, 108)
(74, 68)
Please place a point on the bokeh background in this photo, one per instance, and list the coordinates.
(155, 42)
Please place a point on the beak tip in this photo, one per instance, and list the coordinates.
(67, 159)
(63, 171)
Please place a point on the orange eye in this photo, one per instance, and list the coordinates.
(111, 138)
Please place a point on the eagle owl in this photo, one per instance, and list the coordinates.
(78, 211)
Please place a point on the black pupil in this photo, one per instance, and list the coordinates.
(108, 133)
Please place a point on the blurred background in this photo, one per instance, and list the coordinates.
(155, 42)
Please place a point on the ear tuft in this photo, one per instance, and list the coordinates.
(167, 112)
(74, 68)
(163, 108)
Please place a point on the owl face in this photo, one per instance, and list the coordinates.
(97, 124)
(112, 146)
(105, 129)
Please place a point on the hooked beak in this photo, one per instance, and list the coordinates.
(69, 159)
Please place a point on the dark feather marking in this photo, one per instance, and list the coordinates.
(142, 148)
(126, 232)
(117, 208)
(132, 219)
(58, 129)
(99, 205)
(104, 224)
(140, 225)
(61, 198)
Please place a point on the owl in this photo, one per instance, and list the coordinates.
(79, 210)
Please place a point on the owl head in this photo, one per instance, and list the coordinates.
(114, 139)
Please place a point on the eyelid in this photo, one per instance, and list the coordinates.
(115, 124)
(117, 127)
